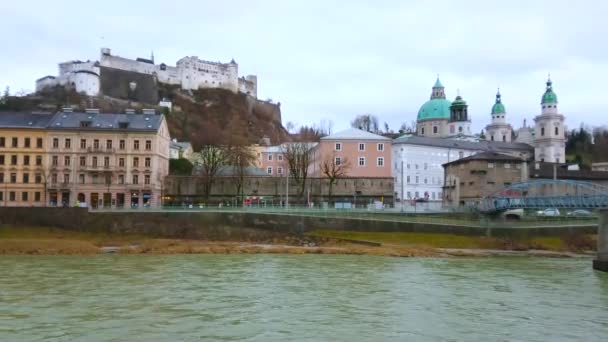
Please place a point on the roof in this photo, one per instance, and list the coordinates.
(483, 145)
(545, 171)
(355, 134)
(24, 120)
(438, 83)
(106, 121)
(181, 145)
(498, 107)
(46, 77)
(486, 156)
(435, 109)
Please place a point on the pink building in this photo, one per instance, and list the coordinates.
(366, 154)
(270, 160)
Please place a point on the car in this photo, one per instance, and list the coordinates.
(512, 214)
(579, 213)
(549, 212)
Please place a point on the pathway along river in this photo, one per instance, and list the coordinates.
(300, 297)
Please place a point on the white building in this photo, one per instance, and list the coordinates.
(178, 150)
(417, 162)
(190, 73)
(550, 132)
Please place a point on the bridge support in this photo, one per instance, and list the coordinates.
(601, 261)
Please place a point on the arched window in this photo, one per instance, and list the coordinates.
(542, 131)
(556, 130)
(504, 138)
(434, 129)
(422, 131)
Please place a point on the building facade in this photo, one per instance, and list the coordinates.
(499, 129)
(190, 73)
(270, 160)
(89, 159)
(472, 178)
(550, 132)
(440, 118)
(362, 154)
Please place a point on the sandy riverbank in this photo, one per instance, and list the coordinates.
(50, 241)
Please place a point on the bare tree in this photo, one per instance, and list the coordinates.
(239, 156)
(366, 122)
(334, 168)
(298, 160)
(211, 159)
(408, 128)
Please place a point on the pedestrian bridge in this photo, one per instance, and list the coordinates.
(541, 194)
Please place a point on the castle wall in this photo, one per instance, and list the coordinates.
(116, 83)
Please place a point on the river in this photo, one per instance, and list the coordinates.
(300, 297)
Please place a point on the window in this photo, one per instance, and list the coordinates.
(492, 137)
(15, 142)
(38, 142)
(108, 179)
(416, 166)
(121, 179)
(2, 159)
(1, 177)
(556, 130)
(121, 144)
(66, 178)
(94, 161)
(13, 178)
(279, 170)
(416, 194)
(381, 147)
(338, 161)
(426, 166)
(147, 179)
(94, 179)
(13, 160)
(38, 160)
(490, 165)
(83, 143)
(504, 138)
(417, 181)
(136, 145)
(269, 170)
(121, 162)
(269, 157)
(96, 144)
(68, 143)
(507, 165)
(106, 162)
(426, 180)
(460, 155)
(408, 180)
(409, 194)
(38, 178)
(24, 196)
(26, 178)
(109, 144)
(542, 131)
(11, 196)
(422, 131)
(135, 162)
(434, 129)
(380, 162)
(135, 179)
(26, 160)
(147, 162)
(55, 142)
(66, 161)
(81, 178)
(27, 142)
(2, 142)
(338, 146)
(85, 123)
(37, 196)
(148, 145)
(83, 161)
(361, 147)
(361, 161)
(452, 130)
(55, 161)
(280, 157)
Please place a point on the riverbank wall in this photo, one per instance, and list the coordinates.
(235, 225)
(601, 261)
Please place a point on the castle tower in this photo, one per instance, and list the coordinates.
(499, 129)
(549, 137)
(459, 123)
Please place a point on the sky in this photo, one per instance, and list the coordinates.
(336, 59)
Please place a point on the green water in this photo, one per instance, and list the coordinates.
(300, 297)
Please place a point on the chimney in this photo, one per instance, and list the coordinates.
(67, 110)
(129, 111)
(92, 110)
(148, 111)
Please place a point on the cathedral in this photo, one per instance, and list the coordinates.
(442, 118)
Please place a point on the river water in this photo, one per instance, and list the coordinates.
(300, 297)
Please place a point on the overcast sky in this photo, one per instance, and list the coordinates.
(337, 59)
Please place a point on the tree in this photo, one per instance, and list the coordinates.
(239, 156)
(334, 168)
(211, 159)
(181, 167)
(298, 160)
(387, 129)
(366, 122)
(408, 128)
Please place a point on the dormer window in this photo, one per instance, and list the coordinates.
(123, 125)
(85, 123)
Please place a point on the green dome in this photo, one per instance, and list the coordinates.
(459, 101)
(549, 96)
(435, 109)
(498, 107)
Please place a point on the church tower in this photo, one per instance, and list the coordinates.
(549, 131)
(459, 123)
(499, 129)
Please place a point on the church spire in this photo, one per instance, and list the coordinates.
(438, 90)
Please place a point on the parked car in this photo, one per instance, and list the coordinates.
(549, 212)
(579, 213)
(512, 214)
